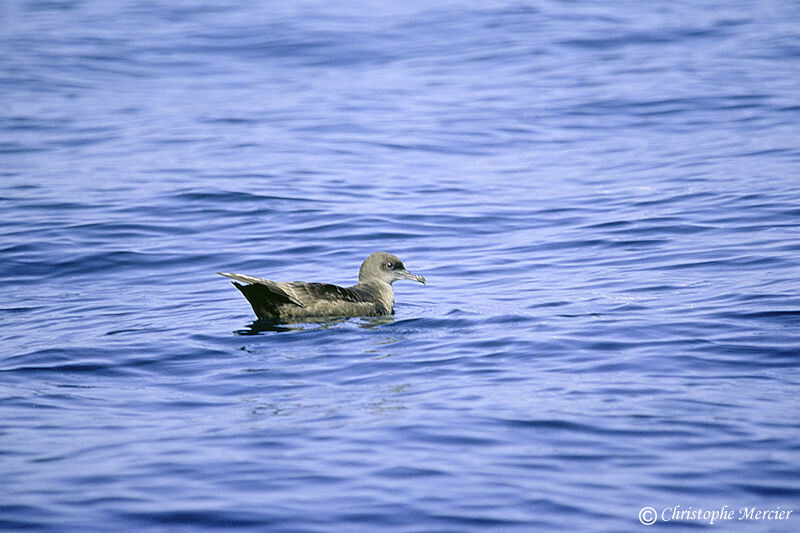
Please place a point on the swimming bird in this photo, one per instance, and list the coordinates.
(371, 296)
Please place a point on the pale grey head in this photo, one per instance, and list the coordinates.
(383, 266)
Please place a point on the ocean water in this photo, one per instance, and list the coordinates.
(603, 196)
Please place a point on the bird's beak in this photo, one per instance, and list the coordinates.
(405, 274)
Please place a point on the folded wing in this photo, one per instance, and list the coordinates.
(270, 299)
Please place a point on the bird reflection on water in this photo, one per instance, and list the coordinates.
(310, 324)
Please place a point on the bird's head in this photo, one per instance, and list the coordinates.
(383, 266)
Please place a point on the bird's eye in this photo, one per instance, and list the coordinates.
(390, 265)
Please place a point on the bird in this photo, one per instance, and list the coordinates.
(292, 300)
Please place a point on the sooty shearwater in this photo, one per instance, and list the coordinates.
(287, 300)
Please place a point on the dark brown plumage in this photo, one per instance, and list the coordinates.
(371, 296)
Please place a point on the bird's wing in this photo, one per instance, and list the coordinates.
(265, 288)
(325, 291)
(297, 292)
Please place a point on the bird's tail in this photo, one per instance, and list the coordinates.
(244, 278)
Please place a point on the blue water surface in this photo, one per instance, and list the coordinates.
(603, 196)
